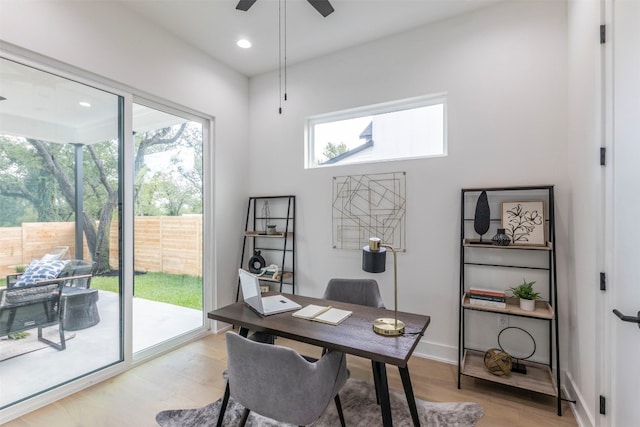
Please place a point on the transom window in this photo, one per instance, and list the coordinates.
(409, 128)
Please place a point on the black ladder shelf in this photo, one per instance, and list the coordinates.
(278, 248)
(544, 376)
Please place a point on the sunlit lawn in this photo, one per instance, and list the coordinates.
(177, 289)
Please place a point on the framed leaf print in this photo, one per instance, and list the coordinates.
(524, 222)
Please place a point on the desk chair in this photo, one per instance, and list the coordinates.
(279, 383)
(356, 291)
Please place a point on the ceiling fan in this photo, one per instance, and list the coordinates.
(322, 6)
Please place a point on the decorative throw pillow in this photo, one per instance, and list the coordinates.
(38, 271)
(50, 257)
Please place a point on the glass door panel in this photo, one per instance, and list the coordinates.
(168, 240)
(60, 303)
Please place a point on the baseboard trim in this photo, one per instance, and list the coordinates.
(438, 352)
(583, 417)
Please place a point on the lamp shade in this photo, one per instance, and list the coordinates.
(374, 261)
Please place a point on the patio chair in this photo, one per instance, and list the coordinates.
(78, 302)
(32, 306)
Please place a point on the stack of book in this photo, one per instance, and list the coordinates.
(487, 298)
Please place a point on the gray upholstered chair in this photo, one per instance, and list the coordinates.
(354, 291)
(279, 383)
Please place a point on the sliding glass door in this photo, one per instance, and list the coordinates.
(168, 224)
(60, 185)
(93, 221)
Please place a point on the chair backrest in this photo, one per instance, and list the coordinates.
(279, 383)
(29, 306)
(354, 291)
(78, 273)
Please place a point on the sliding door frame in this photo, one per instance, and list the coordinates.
(126, 216)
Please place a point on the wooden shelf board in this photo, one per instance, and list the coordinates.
(467, 244)
(287, 275)
(543, 308)
(262, 234)
(538, 377)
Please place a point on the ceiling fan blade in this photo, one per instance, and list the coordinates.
(245, 4)
(322, 6)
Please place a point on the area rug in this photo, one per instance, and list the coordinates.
(12, 348)
(358, 405)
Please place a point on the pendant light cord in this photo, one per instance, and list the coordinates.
(285, 50)
(282, 49)
(280, 56)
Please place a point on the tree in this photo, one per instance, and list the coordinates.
(37, 181)
(333, 150)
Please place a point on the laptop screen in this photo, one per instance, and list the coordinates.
(251, 290)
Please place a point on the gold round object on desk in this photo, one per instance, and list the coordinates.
(388, 327)
(497, 362)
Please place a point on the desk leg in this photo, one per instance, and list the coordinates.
(243, 332)
(380, 374)
(376, 380)
(408, 392)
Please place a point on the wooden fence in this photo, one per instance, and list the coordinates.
(168, 244)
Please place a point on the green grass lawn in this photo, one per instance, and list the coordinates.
(177, 289)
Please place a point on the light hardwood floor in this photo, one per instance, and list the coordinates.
(191, 377)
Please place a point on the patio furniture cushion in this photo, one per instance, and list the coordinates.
(39, 270)
(30, 294)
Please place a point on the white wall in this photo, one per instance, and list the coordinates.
(109, 40)
(504, 69)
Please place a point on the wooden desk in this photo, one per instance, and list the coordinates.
(353, 336)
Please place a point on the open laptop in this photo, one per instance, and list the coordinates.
(264, 306)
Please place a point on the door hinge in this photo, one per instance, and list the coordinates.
(603, 156)
(603, 34)
(603, 405)
(603, 282)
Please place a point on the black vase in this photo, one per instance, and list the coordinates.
(482, 218)
(501, 238)
(256, 263)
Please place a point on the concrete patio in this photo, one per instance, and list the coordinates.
(91, 349)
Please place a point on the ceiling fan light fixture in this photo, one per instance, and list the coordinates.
(244, 43)
(322, 6)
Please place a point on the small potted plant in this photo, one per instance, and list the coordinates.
(526, 294)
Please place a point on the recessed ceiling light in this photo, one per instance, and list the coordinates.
(244, 43)
(84, 104)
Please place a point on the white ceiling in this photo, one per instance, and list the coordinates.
(214, 26)
(46, 107)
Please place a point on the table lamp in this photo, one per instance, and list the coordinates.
(374, 260)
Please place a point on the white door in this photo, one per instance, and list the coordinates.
(624, 404)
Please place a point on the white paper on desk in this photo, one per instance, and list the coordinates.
(311, 311)
(324, 314)
(333, 316)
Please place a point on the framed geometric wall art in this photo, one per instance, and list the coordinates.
(371, 205)
(524, 222)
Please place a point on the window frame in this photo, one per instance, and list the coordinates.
(372, 110)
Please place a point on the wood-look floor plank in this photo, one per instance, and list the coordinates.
(191, 377)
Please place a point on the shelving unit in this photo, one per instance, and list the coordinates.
(543, 377)
(278, 248)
